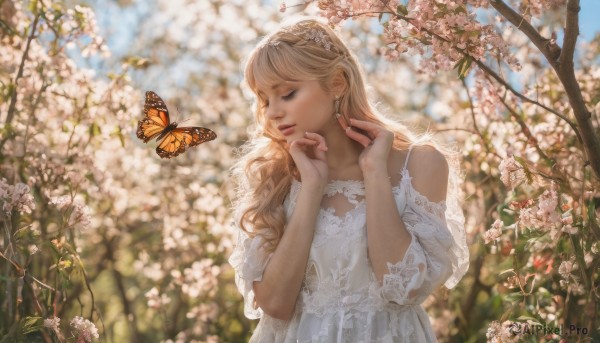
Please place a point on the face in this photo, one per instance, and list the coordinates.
(293, 108)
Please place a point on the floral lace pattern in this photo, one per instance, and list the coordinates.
(349, 188)
(341, 299)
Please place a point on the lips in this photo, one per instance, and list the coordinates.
(286, 129)
(284, 126)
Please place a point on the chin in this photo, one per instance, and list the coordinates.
(293, 137)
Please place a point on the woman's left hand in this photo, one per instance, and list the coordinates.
(377, 143)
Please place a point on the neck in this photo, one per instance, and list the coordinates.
(343, 151)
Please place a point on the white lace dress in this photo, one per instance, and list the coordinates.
(341, 300)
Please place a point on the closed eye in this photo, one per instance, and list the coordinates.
(289, 96)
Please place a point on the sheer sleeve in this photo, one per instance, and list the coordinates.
(249, 260)
(438, 252)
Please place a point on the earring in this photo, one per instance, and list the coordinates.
(337, 107)
(338, 116)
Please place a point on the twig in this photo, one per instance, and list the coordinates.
(475, 126)
(29, 276)
(13, 100)
(498, 78)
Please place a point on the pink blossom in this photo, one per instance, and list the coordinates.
(156, 300)
(511, 172)
(85, 331)
(494, 233)
(52, 323)
(79, 212)
(566, 268)
(500, 333)
(16, 197)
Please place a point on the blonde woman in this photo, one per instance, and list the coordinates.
(347, 220)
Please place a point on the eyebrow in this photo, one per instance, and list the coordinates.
(278, 85)
(284, 83)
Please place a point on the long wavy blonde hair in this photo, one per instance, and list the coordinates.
(264, 171)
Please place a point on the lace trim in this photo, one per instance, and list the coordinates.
(349, 188)
(353, 188)
(437, 208)
(345, 229)
(404, 282)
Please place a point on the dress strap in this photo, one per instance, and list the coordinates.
(407, 156)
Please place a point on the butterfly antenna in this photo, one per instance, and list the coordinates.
(178, 113)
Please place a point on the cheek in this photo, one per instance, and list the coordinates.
(315, 107)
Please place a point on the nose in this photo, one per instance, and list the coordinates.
(274, 111)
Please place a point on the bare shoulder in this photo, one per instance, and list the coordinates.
(428, 168)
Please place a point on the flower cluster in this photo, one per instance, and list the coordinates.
(52, 323)
(79, 212)
(155, 299)
(500, 332)
(494, 233)
(511, 172)
(544, 216)
(15, 197)
(85, 331)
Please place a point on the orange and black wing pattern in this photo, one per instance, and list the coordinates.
(156, 118)
(179, 139)
(173, 140)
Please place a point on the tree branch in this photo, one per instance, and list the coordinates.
(571, 33)
(562, 63)
(498, 78)
(546, 46)
(521, 21)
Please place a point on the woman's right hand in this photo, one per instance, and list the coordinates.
(309, 154)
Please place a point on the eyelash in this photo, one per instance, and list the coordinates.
(287, 97)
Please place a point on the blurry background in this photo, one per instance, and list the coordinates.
(139, 245)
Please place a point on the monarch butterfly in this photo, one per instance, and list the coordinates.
(173, 140)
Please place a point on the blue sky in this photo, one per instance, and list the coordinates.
(589, 21)
(589, 18)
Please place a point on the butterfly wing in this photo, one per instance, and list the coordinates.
(179, 139)
(156, 118)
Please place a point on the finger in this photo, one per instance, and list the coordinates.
(297, 149)
(371, 128)
(319, 154)
(303, 142)
(362, 139)
(322, 144)
(342, 122)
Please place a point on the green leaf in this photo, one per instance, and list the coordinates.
(526, 317)
(30, 324)
(513, 297)
(528, 173)
(95, 130)
(401, 9)
(591, 211)
(463, 66)
(119, 133)
(5, 27)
